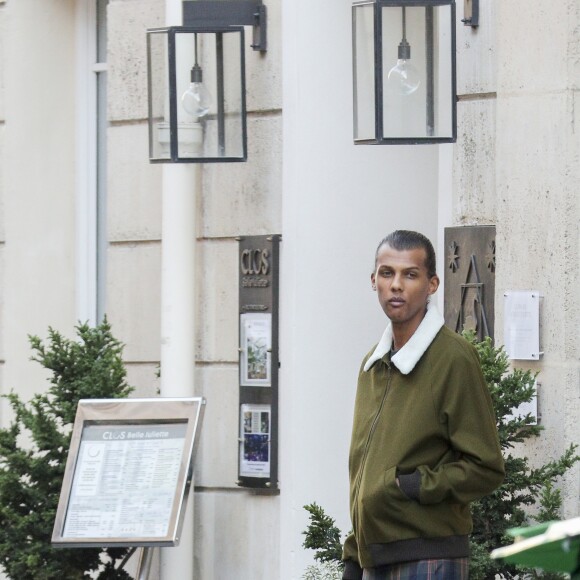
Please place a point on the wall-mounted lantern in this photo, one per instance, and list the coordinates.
(197, 85)
(404, 71)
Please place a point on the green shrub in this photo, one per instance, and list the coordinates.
(524, 487)
(322, 535)
(323, 571)
(31, 473)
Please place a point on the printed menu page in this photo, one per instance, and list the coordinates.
(125, 481)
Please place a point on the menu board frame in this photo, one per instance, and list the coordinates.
(134, 427)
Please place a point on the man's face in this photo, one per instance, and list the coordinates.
(403, 285)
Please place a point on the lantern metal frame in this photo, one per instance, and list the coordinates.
(174, 154)
(379, 72)
(229, 13)
(217, 17)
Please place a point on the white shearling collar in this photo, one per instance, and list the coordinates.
(407, 357)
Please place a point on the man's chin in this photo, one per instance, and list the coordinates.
(395, 314)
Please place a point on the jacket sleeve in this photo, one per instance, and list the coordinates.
(474, 466)
(352, 569)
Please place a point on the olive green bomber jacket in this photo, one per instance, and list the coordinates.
(425, 417)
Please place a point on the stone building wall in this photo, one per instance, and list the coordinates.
(516, 166)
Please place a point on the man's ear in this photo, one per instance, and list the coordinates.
(373, 281)
(433, 284)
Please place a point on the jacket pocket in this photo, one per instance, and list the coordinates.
(386, 514)
(382, 506)
(391, 487)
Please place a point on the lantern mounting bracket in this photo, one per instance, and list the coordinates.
(229, 13)
(471, 13)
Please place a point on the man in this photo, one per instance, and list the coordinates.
(424, 440)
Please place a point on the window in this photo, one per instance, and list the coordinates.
(91, 161)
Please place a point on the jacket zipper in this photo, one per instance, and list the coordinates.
(369, 437)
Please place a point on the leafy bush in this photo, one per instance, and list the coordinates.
(524, 487)
(323, 536)
(31, 473)
(324, 571)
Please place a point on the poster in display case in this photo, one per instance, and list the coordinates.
(256, 339)
(255, 441)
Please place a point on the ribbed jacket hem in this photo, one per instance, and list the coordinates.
(417, 549)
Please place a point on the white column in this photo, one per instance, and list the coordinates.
(177, 280)
(178, 311)
(178, 325)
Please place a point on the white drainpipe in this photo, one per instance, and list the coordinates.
(178, 311)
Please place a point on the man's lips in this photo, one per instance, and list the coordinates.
(396, 302)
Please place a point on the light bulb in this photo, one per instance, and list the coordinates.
(196, 100)
(403, 78)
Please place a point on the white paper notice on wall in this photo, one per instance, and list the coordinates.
(522, 324)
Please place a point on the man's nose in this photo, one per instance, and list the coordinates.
(397, 282)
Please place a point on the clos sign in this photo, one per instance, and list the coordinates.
(255, 262)
(257, 441)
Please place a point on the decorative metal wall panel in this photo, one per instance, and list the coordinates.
(470, 279)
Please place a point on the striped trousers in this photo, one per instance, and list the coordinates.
(451, 569)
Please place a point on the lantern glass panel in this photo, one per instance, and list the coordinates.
(417, 81)
(197, 109)
(219, 133)
(158, 95)
(364, 71)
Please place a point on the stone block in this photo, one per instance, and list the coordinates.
(236, 536)
(574, 48)
(2, 60)
(2, 187)
(2, 303)
(144, 377)
(558, 405)
(217, 329)
(540, 127)
(216, 464)
(534, 45)
(538, 212)
(134, 298)
(474, 162)
(245, 198)
(127, 56)
(477, 52)
(264, 70)
(134, 185)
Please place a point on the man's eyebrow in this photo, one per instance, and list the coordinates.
(385, 266)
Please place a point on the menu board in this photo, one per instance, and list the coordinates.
(128, 473)
(124, 481)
